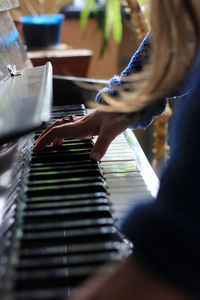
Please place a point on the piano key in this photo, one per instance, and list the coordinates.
(64, 181)
(71, 163)
(67, 224)
(69, 146)
(68, 248)
(42, 294)
(58, 277)
(67, 204)
(67, 260)
(84, 155)
(68, 107)
(68, 197)
(35, 176)
(70, 112)
(69, 233)
(61, 158)
(55, 151)
(66, 189)
(70, 214)
(64, 167)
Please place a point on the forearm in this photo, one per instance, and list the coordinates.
(136, 64)
(144, 118)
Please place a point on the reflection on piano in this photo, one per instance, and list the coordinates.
(59, 211)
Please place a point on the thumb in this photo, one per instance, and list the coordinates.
(101, 146)
(107, 134)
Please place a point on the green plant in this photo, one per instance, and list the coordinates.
(143, 2)
(111, 22)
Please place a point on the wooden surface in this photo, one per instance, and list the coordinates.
(65, 60)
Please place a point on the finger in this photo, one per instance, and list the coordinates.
(76, 118)
(56, 132)
(106, 135)
(79, 130)
(101, 146)
(56, 123)
(57, 142)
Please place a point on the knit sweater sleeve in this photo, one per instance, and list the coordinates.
(143, 118)
(166, 231)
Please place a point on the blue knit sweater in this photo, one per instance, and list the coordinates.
(166, 231)
(143, 118)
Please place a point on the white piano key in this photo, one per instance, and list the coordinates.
(129, 176)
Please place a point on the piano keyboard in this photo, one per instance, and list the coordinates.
(66, 225)
(70, 213)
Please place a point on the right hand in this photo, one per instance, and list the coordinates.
(106, 125)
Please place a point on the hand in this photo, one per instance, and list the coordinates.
(106, 125)
(127, 280)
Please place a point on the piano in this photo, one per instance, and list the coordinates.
(60, 212)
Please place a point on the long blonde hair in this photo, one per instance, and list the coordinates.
(175, 29)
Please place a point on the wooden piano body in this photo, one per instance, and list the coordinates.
(59, 211)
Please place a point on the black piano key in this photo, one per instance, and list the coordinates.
(68, 146)
(64, 181)
(65, 167)
(68, 197)
(67, 224)
(67, 260)
(48, 174)
(60, 114)
(67, 107)
(66, 189)
(43, 278)
(69, 248)
(31, 251)
(55, 151)
(66, 214)
(66, 204)
(64, 211)
(72, 164)
(84, 155)
(104, 233)
(67, 234)
(42, 294)
(71, 143)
